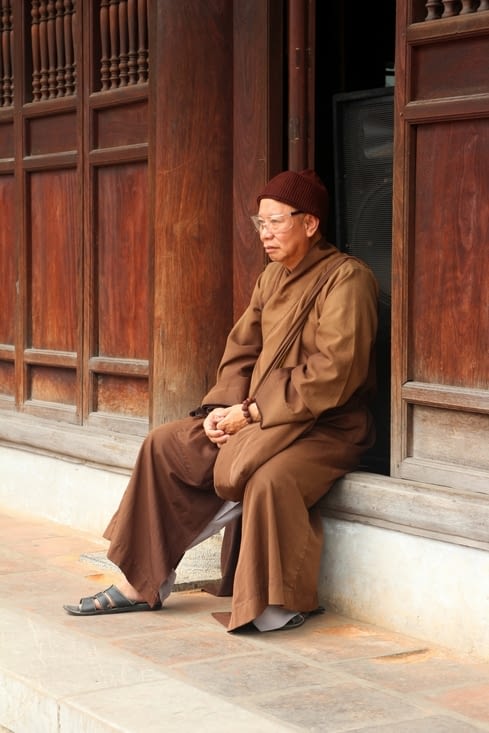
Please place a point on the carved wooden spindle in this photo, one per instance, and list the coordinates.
(434, 9)
(1, 60)
(450, 8)
(114, 44)
(483, 5)
(52, 48)
(123, 55)
(7, 85)
(12, 76)
(36, 58)
(60, 48)
(43, 47)
(2, 69)
(142, 39)
(132, 31)
(104, 45)
(69, 55)
(468, 6)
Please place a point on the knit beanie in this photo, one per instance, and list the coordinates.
(304, 191)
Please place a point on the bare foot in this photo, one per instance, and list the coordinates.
(128, 590)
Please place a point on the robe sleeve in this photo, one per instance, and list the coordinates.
(243, 346)
(337, 348)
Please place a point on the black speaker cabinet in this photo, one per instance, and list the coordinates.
(363, 144)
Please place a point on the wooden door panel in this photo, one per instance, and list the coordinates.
(120, 396)
(439, 70)
(8, 279)
(112, 129)
(122, 261)
(53, 385)
(54, 256)
(449, 325)
(53, 133)
(452, 437)
(6, 140)
(7, 260)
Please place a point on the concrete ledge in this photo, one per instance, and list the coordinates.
(450, 515)
(77, 443)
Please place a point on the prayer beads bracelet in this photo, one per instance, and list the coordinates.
(245, 407)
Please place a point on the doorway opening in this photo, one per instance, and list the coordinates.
(355, 77)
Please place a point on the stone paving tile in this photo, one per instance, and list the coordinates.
(12, 561)
(44, 590)
(430, 724)
(59, 664)
(156, 707)
(428, 669)
(122, 626)
(180, 646)
(249, 674)
(335, 708)
(349, 641)
(472, 701)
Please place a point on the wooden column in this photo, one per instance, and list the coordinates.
(191, 153)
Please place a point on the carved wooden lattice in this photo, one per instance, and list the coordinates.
(447, 8)
(53, 52)
(124, 43)
(6, 55)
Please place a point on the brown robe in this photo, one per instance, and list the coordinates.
(322, 388)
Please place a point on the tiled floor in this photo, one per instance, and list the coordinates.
(178, 669)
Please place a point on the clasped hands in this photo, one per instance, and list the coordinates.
(223, 422)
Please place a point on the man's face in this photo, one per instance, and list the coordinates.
(285, 238)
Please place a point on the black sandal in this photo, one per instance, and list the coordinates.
(300, 618)
(294, 622)
(110, 600)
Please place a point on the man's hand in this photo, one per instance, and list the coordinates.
(233, 420)
(216, 435)
(223, 422)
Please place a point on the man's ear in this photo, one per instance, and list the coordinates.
(311, 223)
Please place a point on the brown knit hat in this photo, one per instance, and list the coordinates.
(304, 191)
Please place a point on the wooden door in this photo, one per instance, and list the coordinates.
(440, 431)
(74, 241)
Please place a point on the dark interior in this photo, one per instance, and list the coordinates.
(354, 116)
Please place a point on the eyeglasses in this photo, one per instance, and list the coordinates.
(276, 223)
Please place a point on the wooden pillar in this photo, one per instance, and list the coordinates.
(191, 172)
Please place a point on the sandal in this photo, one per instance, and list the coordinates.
(110, 600)
(300, 618)
(294, 622)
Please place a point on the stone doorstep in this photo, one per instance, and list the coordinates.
(200, 565)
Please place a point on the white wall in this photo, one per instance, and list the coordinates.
(422, 587)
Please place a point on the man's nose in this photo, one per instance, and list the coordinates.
(265, 233)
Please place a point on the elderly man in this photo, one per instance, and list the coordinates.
(288, 415)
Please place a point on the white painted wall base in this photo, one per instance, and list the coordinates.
(421, 587)
(63, 491)
(433, 590)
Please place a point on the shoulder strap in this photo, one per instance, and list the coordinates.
(289, 339)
